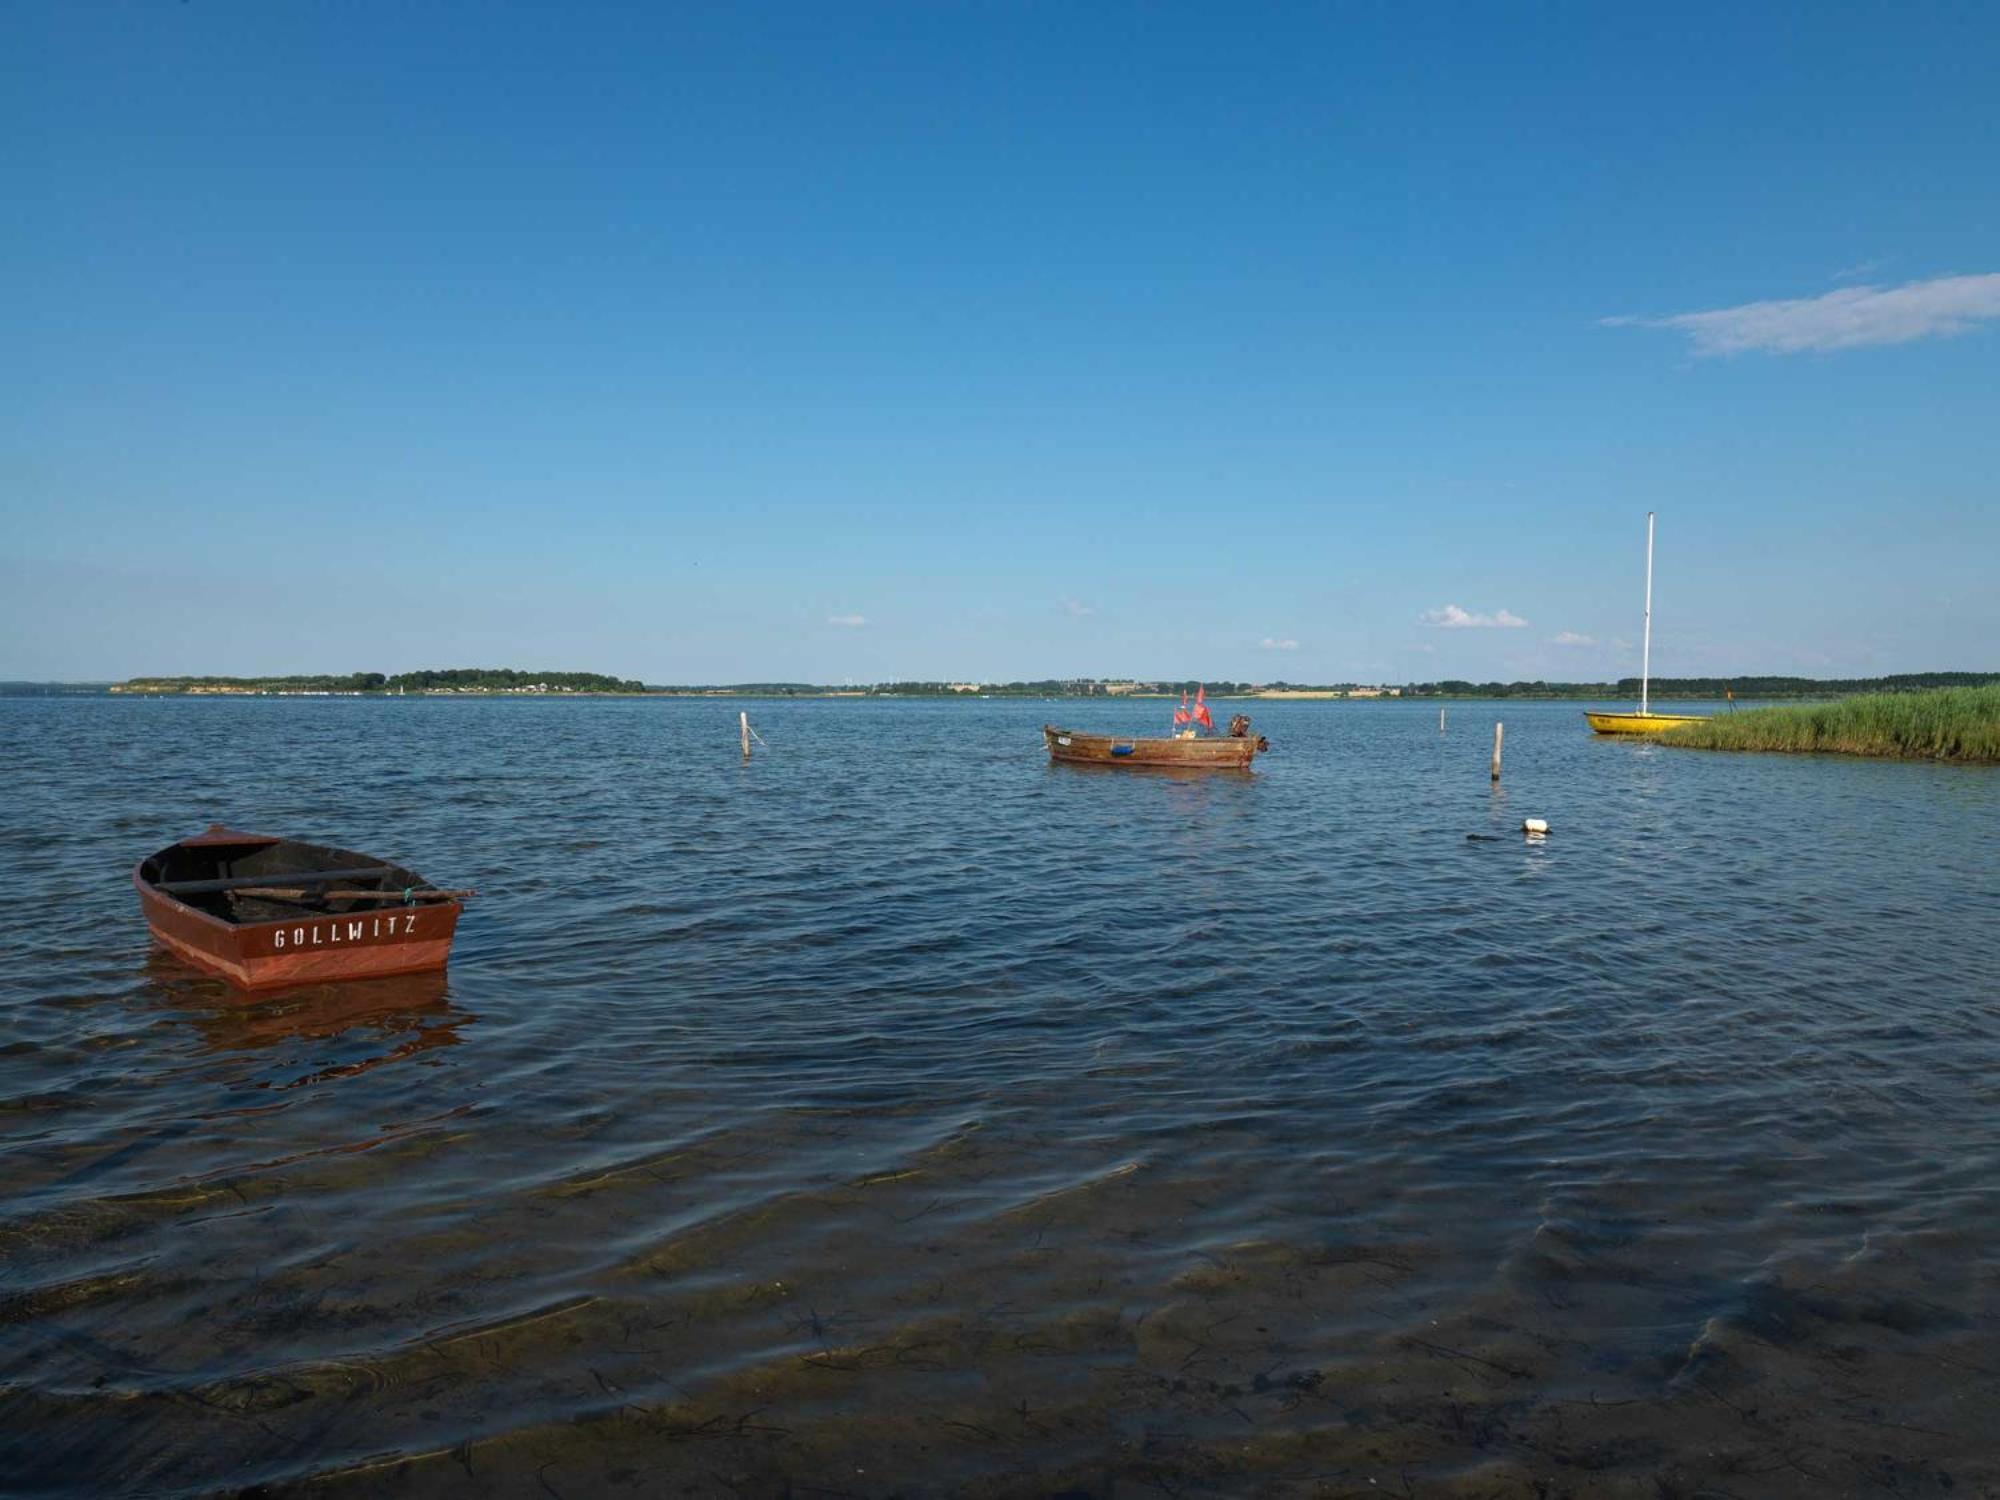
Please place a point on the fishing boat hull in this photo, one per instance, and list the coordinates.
(1605, 723)
(1214, 753)
(260, 945)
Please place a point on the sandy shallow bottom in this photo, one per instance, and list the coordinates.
(927, 1328)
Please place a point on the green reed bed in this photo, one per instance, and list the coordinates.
(1961, 724)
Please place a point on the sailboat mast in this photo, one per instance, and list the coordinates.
(1646, 649)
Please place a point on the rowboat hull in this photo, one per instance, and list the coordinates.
(1639, 723)
(303, 943)
(1215, 753)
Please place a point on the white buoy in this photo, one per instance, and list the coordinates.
(1534, 825)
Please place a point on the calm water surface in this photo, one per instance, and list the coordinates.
(899, 1114)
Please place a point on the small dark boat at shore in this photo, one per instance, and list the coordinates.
(264, 912)
(1231, 752)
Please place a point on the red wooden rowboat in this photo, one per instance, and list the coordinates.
(266, 912)
(1229, 752)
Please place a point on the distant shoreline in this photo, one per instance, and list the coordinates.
(472, 682)
(119, 690)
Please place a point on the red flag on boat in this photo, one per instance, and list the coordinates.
(1201, 716)
(1181, 715)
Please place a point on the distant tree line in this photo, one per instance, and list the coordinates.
(1047, 687)
(1704, 687)
(316, 682)
(1805, 687)
(462, 679)
(750, 689)
(1056, 687)
(506, 679)
(510, 680)
(1452, 687)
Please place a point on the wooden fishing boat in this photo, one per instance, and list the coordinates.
(265, 912)
(1645, 721)
(1212, 753)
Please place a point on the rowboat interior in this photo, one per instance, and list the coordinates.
(253, 878)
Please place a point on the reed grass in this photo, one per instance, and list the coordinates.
(1957, 724)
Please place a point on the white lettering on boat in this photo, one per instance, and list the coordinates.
(354, 932)
(315, 934)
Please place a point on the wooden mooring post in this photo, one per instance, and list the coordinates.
(744, 719)
(1499, 730)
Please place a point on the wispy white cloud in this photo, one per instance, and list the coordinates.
(847, 622)
(1854, 317)
(1077, 608)
(1273, 643)
(1451, 617)
(1858, 270)
(1571, 638)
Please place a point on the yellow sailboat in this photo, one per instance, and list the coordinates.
(1645, 721)
(1641, 722)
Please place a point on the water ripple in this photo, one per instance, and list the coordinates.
(902, 1113)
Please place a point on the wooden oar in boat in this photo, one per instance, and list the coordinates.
(282, 893)
(240, 882)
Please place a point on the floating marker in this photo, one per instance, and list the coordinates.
(1534, 825)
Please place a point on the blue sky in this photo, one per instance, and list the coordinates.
(981, 340)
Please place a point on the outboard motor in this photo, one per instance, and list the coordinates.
(1239, 729)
